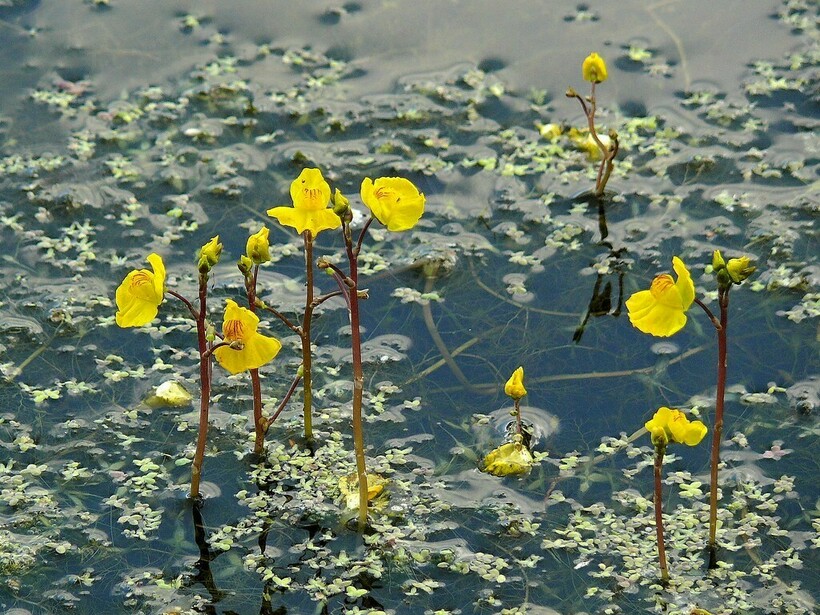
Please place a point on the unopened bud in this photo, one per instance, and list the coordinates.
(245, 265)
(740, 268)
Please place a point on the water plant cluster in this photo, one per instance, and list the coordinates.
(582, 501)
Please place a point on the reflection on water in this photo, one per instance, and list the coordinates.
(127, 127)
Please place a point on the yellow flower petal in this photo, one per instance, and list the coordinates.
(302, 220)
(240, 325)
(311, 195)
(515, 385)
(668, 425)
(310, 191)
(508, 459)
(394, 201)
(594, 68)
(661, 310)
(140, 294)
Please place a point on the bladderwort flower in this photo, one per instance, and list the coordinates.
(248, 348)
(514, 387)
(670, 425)
(140, 294)
(661, 310)
(310, 194)
(393, 201)
(594, 68)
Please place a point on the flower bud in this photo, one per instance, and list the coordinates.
(209, 254)
(515, 385)
(258, 246)
(739, 269)
(594, 68)
(341, 204)
(717, 261)
(245, 265)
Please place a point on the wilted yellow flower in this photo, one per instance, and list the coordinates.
(349, 488)
(668, 425)
(239, 325)
(394, 201)
(507, 459)
(661, 310)
(311, 195)
(209, 254)
(141, 292)
(170, 393)
(594, 68)
(515, 385)
(258, 246)
(586, 143)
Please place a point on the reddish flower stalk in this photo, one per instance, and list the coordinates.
(259, 423)
(205, 386)
(304, 334)
(717, 429)
(358, 373)
(660, 451)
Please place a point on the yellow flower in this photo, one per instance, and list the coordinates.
(141, 292)
(310, 194)
(258, 246)
(668, 425)
(661, 310)
(515, 385)
(507, 459)
(394, 201)
(594, 68)
(240, 325)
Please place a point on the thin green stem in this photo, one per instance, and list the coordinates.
(660, 451)
(717, 429)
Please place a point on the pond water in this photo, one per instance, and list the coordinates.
(135, 127)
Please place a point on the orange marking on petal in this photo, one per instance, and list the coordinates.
(233, 330)
(140, 278)
(661, 284)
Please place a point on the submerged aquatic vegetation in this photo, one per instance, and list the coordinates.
(516, 260)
